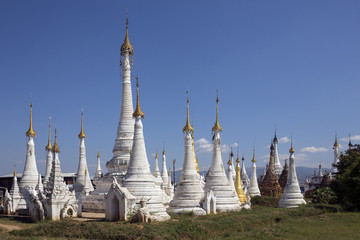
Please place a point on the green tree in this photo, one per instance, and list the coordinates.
(347, 181)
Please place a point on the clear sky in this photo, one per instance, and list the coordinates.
(295, 64)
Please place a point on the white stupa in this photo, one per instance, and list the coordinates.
(82, 168)
(30, 174)
(291, 196)
(49, 157)
(231, 165)
(138, 180)
(98, 173)
(189, 193)
(278, 167)
(244, 177)
(216, 180)
(164, 171)
(158, 178)
(334, 169)
(254, 187)
(118, 165)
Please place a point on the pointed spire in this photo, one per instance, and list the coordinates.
(237, 158)
(275, 138)
(82, 134)
(156, 155)
(15, 169)
(98, 154)
(188, 127)
(48, 146)
(336, 144)
(253, 159)
(138, 112)
(291, 149)
(350, 144)
(126, 47)
(55, 147)
(163, 152)
(217, 125)
(31, 132)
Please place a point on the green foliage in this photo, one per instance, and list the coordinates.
(265, 201)
(323, 196)
(347, 181)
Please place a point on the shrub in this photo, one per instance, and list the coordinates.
(265, 201)
(323, 196)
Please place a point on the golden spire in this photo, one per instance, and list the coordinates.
(237, 158)
(253, 159)
(291, 149)
(336, 144)
(169, 172)
(156, 155)
(126, 46)
(82, 134)
(98, 155)
(55, 147)
(217, 125)
(163, 150)
(15, 170)
(48, 146)
(193, 148)
(238, 186)
(31, 132)
(138, 112)
(188, 127)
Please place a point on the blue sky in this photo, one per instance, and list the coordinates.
(290, 63)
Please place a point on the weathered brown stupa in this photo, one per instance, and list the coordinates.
(270, 185)
(325, 182)
(284, 175)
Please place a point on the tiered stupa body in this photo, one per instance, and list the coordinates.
(139, 181)
(81, 178)
(278, 167)
(13, 197)
(118, 165)
(231, 165)
(292, 196)
(244, 177)
(49, 158)
(270, 185)
(334, 170)
(254, 188)
(30, 174)
(216, 179)
(189, 193)
(58, 198)
(283, 176)
(158, 178)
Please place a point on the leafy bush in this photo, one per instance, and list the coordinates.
(323, 196)
(265, 201)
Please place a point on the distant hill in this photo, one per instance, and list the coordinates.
(301, 172)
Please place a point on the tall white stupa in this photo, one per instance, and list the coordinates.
(244, 177)
(278, 167)
(216, 179)
(189, 193)
(81, 178)
(334, 169)
(254, 187)
(98, 173)
(164, 172)
(291, 196)
(138, 180)
(49, 157)
(30, 173)
(118, 165)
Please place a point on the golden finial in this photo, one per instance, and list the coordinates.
(253, 159)
(163, 150)
(126, 46)
(55, 147)
(138, 112)
(291, 149)
(48, 146)
(169, 172)
(82, 134)
(15, 169)
(237, 157)
(188, 127)
(98, 155)
(156, 155)
(217, 125)
(31, 132)
(336, 144)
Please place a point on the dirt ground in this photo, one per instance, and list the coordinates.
(10, 227)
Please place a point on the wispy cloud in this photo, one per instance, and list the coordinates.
(353, 138)
(314, 149)
(205, 146)
(284, 140)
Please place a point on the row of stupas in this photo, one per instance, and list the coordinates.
(129, 188)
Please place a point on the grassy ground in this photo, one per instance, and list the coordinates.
(308, 222)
